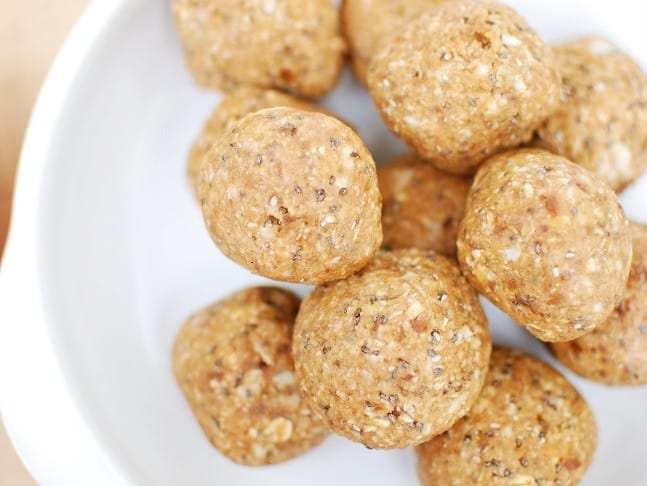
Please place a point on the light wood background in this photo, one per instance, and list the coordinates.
(31, 32)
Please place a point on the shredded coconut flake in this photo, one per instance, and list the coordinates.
(511, 254)
(510, 40)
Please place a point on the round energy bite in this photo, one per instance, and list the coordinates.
(294, 45)
(232, 361)
(529, 426)
(235, 105)
(395, 354)
(421, 206)
(369, 23)
(600, 123)
(546, 241)
(464, 81)
(616, 352)
(292, 195)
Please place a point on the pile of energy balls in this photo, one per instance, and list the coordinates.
(518, 152)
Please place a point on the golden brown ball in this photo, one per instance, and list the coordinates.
(547, 242)
(395, 354)
(295, 45)
(293, 196)
(464, 81)
(529, 426)
(233, 363)
(600, 122)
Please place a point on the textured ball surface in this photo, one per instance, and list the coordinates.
(368, 24)
(421, 206)
(600, 122)
(293, 196)
(464, 81)
(547, 242)
(529, 426)
(235, 105)
(233, 363)
(395, 354)
(295, 45)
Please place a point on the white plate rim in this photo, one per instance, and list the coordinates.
(19, 281)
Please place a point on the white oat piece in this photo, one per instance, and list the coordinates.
(293, 196)
(294, 45)
(546, 241)
(233, 363)
(395, 354)
(464, 81)
(616, 352)
(421, 205)
(602, 118)
(529, 427)
(235, 105)
(368, 24)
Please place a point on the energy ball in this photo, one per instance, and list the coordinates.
(395, 354)
(293, 196)
(616, 352)
(369, 23)
(295, 45)
(232, 361)
(528, 427)
(235, 105)
(600, 123)
(421, 206)
(547, 242)
(464, 81)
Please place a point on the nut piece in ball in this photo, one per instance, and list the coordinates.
(464, 81)
(421, 206)
(395, 354)
(293, 196)
(233, 363)
(368, 24)
(600, 123)
(235, 105)
(295, 45)
(529, 426)
(546, 241)
(616, 352)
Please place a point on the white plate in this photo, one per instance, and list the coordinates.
(109, 255)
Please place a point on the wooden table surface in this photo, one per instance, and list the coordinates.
(31, 32)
